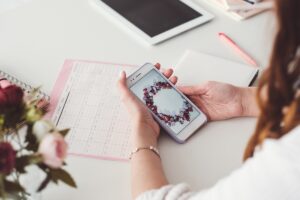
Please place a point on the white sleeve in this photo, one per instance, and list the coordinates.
(273, 173)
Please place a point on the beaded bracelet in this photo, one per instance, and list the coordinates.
(151, 148)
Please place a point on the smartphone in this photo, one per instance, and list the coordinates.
(175, 113)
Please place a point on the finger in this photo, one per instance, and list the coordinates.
(200, 105)
(127, 96)
(123, 85)
(157, 65)
(174, 79)
(191, 90)
(168, 73)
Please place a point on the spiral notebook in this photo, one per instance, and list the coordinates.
(26, 88)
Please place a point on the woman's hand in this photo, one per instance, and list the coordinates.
(221, 101)
(145, 128)
(147, 170)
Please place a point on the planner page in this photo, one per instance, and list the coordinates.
(90, 106)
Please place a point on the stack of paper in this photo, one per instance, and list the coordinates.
(229, 8)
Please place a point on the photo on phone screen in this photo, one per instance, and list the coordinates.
(169, 106)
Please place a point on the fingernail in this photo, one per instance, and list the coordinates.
(121, 74)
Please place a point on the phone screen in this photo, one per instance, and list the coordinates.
(170, 107)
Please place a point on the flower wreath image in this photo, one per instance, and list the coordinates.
(170, 120)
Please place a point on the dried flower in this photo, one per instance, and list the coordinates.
(40, 144)
(53, 148)
(7, 158)
(11, 96)
(33, 114)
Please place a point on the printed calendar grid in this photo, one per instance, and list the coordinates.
(91, 107)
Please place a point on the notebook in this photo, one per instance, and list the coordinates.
(26, 88)
(85, 98)
(223, 5)
(206, 67)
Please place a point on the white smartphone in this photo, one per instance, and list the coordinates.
(175, 113)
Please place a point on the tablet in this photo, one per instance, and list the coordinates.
(155, 20)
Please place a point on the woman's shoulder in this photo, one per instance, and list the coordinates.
(292, 138)
(286, 148)
(293, 135)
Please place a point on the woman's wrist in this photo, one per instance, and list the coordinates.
(143, 142)
(144, 137)
(248, 101)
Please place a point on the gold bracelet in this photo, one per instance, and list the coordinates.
(151, 148)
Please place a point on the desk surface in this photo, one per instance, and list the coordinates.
(36, 38)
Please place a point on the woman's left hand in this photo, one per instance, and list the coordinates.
(145, 128)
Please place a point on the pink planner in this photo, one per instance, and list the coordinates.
(86, 100)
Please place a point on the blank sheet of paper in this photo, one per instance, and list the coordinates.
(90, 105)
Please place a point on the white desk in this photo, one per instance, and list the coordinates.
(37, 37)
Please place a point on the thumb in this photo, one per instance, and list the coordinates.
(127, 96)
(122, 85)
(192, 90)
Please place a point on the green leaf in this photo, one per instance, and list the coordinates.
(33, 114)
(62, 175)
(33, 144)
(2, 121)
(2, 192)
(12, 187)
(23, 161)
(44, 183)
(64, 132)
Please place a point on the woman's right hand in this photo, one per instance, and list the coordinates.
(221, 101)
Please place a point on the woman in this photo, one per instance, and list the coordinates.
(272, 158)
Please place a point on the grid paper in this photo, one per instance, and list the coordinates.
(90, 105)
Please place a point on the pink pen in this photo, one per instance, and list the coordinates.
(237, 49)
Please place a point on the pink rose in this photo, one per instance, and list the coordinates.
(7, 158)
(53, 149)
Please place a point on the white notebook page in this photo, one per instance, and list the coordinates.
(194, 68)
(91, 107)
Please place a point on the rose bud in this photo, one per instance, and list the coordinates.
(41, 128)
(53, 149)
(7, 158)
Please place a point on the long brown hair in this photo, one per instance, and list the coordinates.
(278, 90)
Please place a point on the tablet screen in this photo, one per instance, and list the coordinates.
(154, 17)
